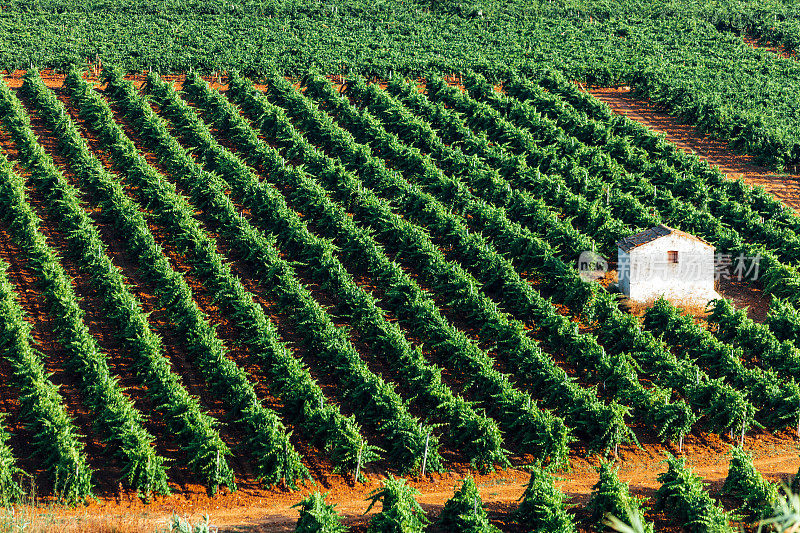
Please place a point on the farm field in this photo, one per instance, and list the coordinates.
(783, 186)
(695, 57)
(256, 285)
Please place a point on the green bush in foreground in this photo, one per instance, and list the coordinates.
(745, 482)
(179, 525)
(785, 514)
(316, 516)
(464, 512)
(610, 496)
(401, 513)
(542, 507)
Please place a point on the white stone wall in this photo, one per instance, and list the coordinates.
(648, 273)
(623, 274)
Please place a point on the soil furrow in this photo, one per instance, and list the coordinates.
(28, 287)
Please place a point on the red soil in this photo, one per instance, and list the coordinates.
(755, 43)
(786, 187)
(255, 509)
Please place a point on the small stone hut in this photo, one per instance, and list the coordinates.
(662, 261)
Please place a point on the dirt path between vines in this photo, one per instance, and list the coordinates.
(775, 49)
(784, 186)
(254, 509)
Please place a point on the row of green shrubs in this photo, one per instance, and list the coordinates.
(543, 508)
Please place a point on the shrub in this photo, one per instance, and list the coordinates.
(316, 516)
(683, 493)
(401, 513)
(610, 496)
(745, 482)
(464, 512)
(542, 507)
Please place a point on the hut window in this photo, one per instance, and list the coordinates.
(672, 256)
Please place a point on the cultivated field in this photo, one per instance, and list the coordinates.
(332, 279)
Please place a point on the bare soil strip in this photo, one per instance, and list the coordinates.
(755, 42)
(254, 509)
(786, 187)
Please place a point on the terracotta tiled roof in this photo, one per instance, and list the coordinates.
(649, 235)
